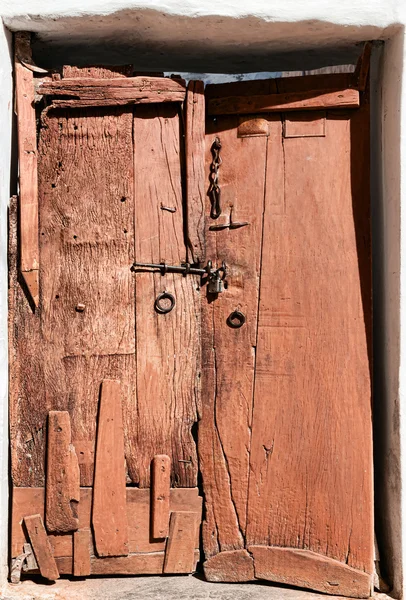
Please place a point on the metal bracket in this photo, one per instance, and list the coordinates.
(25, 561)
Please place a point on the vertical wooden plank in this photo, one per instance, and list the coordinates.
(311, 430)
(41, 546)
(229, 354)
(109, 517)
(27, 157)
(168, 345)
(195, 171)
(62, 484)
(81, 553)
(160, 492)
(180, 547)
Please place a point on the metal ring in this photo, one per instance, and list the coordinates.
(236, 319)
(164, 309)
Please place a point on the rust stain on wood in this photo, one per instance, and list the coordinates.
(109, 515)
(62, 482)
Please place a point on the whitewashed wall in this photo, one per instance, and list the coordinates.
(234, 36)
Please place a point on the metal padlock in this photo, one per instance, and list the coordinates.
(215, 285)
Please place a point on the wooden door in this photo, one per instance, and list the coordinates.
(125, 413)
(285, 439)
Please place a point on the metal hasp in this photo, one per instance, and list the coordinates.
(215, 278)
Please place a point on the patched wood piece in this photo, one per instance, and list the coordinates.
(62, 482)
(180, 546)
(87, 92)
(160, 493)
(195, 172)
(109, 515)
(231, 566)
(283, 102)
(28, 174)
(81, 553)
(306, 569)
(304, 124)
(41, 546)
(168, 345)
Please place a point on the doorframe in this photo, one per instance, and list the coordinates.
(388, 105)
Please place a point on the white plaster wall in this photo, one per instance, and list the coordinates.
(236, 36)
(5, 162)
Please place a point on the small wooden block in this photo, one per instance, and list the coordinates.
(160, 494)
(81, 553)
(305, 124)
(109, 516)
(180, 547)
(231, 566)
(62, 483)
(253, 127)
(41, 546)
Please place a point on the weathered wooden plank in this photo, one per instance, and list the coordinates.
(26, 500)
(62, 483)
(28, 175)
(168, 345)
(232, 566)
(160, 493)
(307, 569)
(109, 515)
(81, 553)
(96, 71)
(180, 547)
(283, 102)
(41, 546)
(313, 349)
(228, 356)
(304, 124)
(195, 171)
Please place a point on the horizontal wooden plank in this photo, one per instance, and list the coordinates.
(307, 569)
(105, 92)
(308, 100)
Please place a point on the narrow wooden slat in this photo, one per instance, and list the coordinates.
(307, 569)
(28, 182)
(160, 493)
(81, 553)
(41, 546)
(195, 172)
(62, 483)
(230, 566)
(180, 548)
(309, 100)
(109, 516)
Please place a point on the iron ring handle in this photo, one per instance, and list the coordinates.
(159, 307)
(236, 319)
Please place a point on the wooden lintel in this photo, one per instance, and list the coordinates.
(109, 517)
(62, 483)
(195, 172)
(28, 176)
(41, 546)
(160, 493)
(283, 102)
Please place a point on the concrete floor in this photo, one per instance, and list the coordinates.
(157, 588)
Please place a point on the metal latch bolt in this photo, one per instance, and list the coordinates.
(215, 278)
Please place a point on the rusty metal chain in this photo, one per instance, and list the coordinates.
(214, 189)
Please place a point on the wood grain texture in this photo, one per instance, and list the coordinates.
(109, 517)
(26, 500)
(28, 174)
(310, 100)
(41, 546)
(306, 569)
(168, 345)
(228, 354)
(160, 492)
(81, 553)
(96, 71)
(311, 430)
(63, 480)
(195, 171)
(232, 566)
(180, 546)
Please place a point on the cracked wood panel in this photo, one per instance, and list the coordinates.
(229, 354)
(311, 458)
(168, 345)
